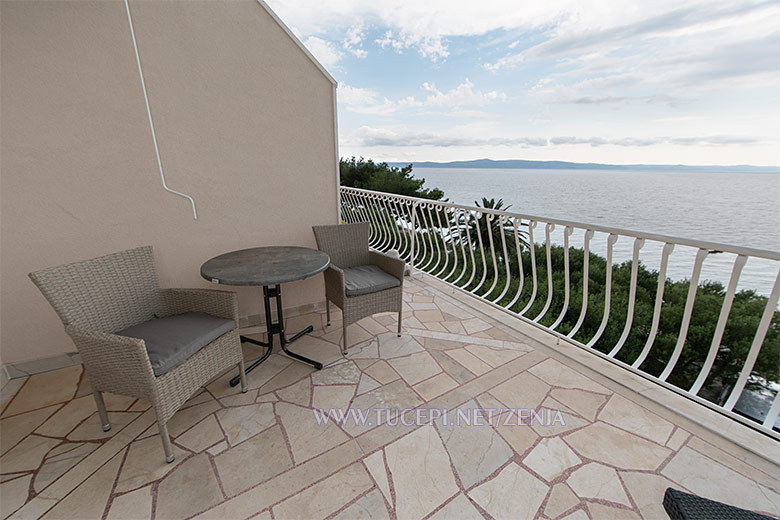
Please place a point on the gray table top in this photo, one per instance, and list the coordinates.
(265, 265)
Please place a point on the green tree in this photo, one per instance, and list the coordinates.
(368, 175)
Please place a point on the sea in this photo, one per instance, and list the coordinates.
(741, 209)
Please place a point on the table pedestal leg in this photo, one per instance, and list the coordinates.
(275, 328)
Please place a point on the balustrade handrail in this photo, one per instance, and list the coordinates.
(699, 244)
(483, 252)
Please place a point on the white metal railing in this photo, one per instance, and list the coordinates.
(499, 257)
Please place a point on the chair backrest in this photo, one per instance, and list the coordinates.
(346, 244)
(108, 293)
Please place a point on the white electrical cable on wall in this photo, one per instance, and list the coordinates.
(149, 113)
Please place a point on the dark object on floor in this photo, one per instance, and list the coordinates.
(684, 506)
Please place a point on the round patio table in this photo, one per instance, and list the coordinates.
(270, 267)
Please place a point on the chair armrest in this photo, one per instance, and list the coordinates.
(335, 290)
(389, 264)
(221, 304)
(114, 363)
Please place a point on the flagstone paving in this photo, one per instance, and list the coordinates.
(463, 418)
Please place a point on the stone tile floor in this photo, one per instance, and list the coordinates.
(263, 454)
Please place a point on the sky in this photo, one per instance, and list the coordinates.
(608, 81)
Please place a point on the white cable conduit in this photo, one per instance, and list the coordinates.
(149, 113)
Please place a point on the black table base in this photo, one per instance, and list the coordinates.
(275, 328)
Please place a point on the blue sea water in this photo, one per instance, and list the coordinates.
(742, 209)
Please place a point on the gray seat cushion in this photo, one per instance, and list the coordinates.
(171, 341)
(366, 279)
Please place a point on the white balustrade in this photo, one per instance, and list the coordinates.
(485, 252)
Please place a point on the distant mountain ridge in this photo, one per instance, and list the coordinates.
(564, 165)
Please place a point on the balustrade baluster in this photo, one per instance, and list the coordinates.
(502, 223)
(755, 347)
(638, 244)
(585, 277)
(477, 218)
(461, 241)
(488, 222)
(725, 309)
(686, 321)
(532, 247)
(566, 234)
(659, 299)
(429, 233)
(519, 263)
(607, 292)
(549, 228)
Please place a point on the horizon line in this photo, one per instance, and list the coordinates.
(518, 163)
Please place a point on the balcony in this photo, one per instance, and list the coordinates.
(474, 411)
(503, 450)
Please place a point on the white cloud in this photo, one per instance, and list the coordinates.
(670, 56)
(703, 140)
(664, 23)
(571, 27)
(427, 46)
(604, 90)
(464, 96)
(355, 35)
(611, 77)
(401, 136)
(354, 39)
(326, 52)
(507, 62)
(388, 40)
(356, 96)
(421, 26)
(678, 119)
(372, 136)
(366, 101)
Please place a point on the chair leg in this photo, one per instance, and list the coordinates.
(101, 408)
(399, 324)
(344, 351)
(242, 375)
(327, 310)
(166, 441)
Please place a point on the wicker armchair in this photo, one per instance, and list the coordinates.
(361, 282)
(108, 304)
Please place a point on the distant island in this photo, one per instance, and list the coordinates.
(564, 165)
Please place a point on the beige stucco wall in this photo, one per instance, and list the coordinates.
(245, 123)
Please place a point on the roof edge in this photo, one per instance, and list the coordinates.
(298, 42)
